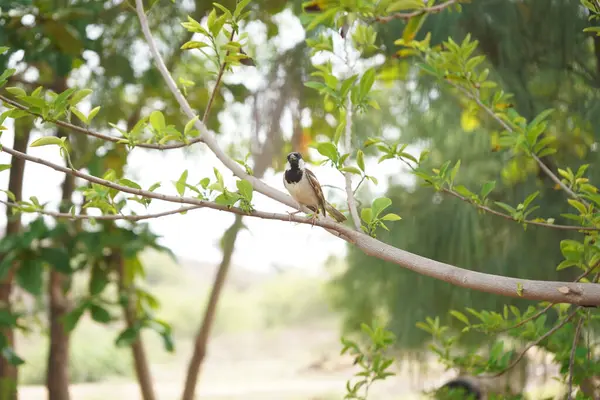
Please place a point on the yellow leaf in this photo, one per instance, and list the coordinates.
(469, 121)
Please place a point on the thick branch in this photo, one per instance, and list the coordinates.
(424, 10)
(586, 294)
(98, 135)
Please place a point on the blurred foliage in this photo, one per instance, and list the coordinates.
(544, 69)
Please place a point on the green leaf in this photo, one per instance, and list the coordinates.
(530, 198)
(380, 204)
(30, 276)
(460, 316)
(506, 207)
(99, 314)
(192, 44)
(360, 160)
(366, 214)
(240, 7)
(92, 114)
(391, 217)
(79, 95)
(57, 258)
(487, 188)
(4, 49)
(70, 320)
(566, 264)
(79, 114)
(4, 167)
(129, 183)
(47, 140)
(16, 91)
(328, 150)
(578, 205)
(13, 359)
(190, 125)
(404, 5)
(127, 337)
(352, 170)
(157, 120)
(180, 184)
(98, 280)
(245, 189)
(366, 82)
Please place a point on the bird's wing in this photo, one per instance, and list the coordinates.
(316, 186)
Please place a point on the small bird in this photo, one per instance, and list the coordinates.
(304, 187)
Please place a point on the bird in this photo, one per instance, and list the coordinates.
(303, 186)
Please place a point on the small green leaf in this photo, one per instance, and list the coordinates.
(99, 314)
(360, 160)
(46, 140)
(127, 337)
(157, 120)
(79, 95)
(16, 91)
(79, 114)
(190, 125)
(13, 359)
(4, 167)
(192, 44)
(245, 189)
(180, 184)
(391, 217)
(129, 183)
(380, 204)
(460, 316)
(366, 214)
(352, 170)
(92, 114)
(487, 188)
(328, 150)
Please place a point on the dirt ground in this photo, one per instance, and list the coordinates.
(290, 364)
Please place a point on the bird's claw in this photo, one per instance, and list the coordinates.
(292, 213)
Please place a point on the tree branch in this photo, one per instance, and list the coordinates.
(528, 222)
(95, 134)
(586, 294)
(347, 175)
(536, 342)
(424, 10)
(132, 218)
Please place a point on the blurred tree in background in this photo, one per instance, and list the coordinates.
(545, 68)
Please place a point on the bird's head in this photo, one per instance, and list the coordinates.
(294, 160)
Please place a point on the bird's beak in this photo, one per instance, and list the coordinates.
(293, 157)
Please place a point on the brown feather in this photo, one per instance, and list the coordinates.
(314, 183)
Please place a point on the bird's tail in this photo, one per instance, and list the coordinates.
(338, 216)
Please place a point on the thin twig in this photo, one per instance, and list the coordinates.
(507, 127)
(528, 222)
(535, 343)
(217, 83)
(133, 218)
(572, 357)
(95, 134)
(348, 139)
(425, 10)
(347, 175)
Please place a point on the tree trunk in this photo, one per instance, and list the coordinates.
(57, 371)
(201, 342)
(8, 372)
(142, 370)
